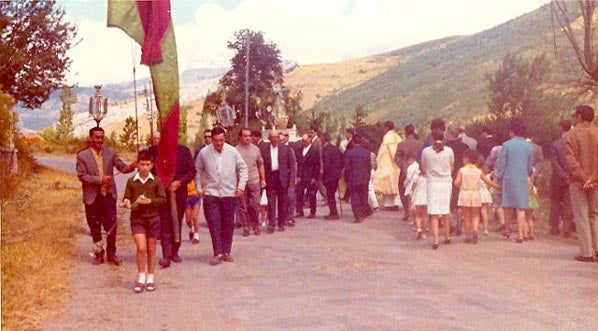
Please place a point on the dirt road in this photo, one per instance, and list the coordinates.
(337, 275)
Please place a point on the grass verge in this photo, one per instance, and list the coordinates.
(39, 227)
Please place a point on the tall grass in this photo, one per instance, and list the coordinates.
(40, 222)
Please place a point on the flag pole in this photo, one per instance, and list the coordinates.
(135, 92)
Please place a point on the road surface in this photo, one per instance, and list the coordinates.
(336, 275)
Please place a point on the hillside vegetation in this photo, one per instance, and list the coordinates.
(444, 78)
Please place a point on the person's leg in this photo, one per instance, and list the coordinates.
(151, 255)
(165, 234)
(555, 208)
(211, 209)
(242, 213)
(291, 203)
(405, 199)
(227, 210)
(529, 219)
(520, 224)
(253, 202)
(331, 187)
(312, 190)
(272, 197)
(447, 228)
(434, 219)
(142, 252)
(355, 203)
(181, 200)
(109, 223)
(467, 222)
(484, 214)
(282, 194)
(475, 218)
(300, 193)
(92, 215)
(195, 218)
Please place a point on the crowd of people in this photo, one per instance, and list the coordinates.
(447, 181)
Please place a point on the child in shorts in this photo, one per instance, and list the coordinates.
(192, 212)
(143, 194)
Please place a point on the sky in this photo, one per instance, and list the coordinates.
(307, 31)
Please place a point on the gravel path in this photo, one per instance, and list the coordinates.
(337, 275)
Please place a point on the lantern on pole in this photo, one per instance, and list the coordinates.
(98, 106)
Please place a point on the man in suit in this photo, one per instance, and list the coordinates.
(487, 142)
(409, 146)
(581, 144)
(281, 171)
(95, 169)
(291, 196)
(308, 171)
(184, 173)
(459, 148)
(333, 167)
(357, 175)
(256, 138)
(560, 203)
(316, 141)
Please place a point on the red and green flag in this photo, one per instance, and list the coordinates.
(149, 23)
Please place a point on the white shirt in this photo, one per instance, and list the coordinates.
(274, 157)
(142, 180)
(306, 149)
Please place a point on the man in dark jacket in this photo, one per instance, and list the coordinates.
(308, 171)
(560, 203)
(357, 175)
(409, 146)
(333, 166)
(184, 173)
(281, 170)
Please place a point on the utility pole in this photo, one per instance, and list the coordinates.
(248, 41)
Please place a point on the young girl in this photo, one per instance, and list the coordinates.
(470, 198)
(486, 196)
(437, 164)
(415, 189)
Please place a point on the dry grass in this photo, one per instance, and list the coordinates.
(39, 228)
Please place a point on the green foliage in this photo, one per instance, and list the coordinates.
(64, 127)
(515, 86)
(128, 138)
(358, 120)
(34, 46)
(443, 78)
(49, 133)
(8, 118)
(265, 70)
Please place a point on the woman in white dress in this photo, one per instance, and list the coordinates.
(437, 163)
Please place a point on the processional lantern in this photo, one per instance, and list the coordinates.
(98, 106)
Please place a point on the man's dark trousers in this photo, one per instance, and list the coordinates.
(169, 247)
(331, 187)
(277, 201)
(220, 215)
(102, 212)
(359, 197)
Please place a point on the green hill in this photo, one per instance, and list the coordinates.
(444, 78)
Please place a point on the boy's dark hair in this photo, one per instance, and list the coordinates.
(94, 129)
(244, 129)
(585, 112)
(518, 127)
(409, 129)
(356, 139)
(437, 123)
(350, 130)
(144, 156)
(390, 125)
(313, 127)
(565, 125)
(217, 130)
(487, 130)
(471, 154)
(256, 133)
(325, 136)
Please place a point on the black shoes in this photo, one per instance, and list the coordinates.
(176, 258)
(216, 260)
(358, 220)
(270, 230)
(280, 228)
(114, 260)
(331, 217)
(227, 258)
(164, 262)
(311, 216)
